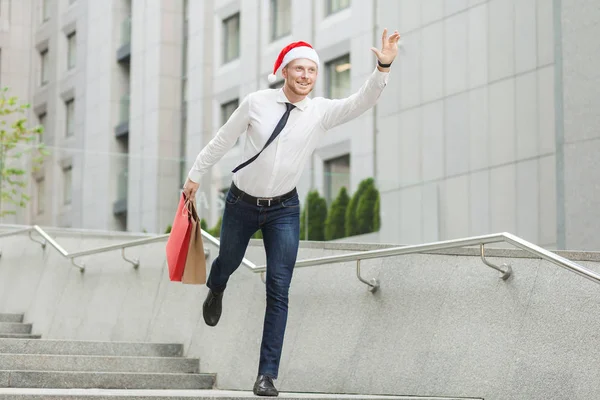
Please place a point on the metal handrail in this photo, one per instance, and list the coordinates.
(481, 241)
(120, 246)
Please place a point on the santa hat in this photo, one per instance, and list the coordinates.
(293, 51)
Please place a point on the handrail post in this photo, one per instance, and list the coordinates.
(37, 241)
(135, 262)
(373, 283)
(506, 273)
(80, 266)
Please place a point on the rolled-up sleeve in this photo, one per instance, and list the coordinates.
(222, 142)
(339, 111)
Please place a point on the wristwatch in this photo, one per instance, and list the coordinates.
(383, 65)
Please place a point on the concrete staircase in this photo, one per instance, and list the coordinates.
(32, 368)
(26, 361)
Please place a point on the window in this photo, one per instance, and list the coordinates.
(42, 122)
(72, 50)
(68, 185)
(226, 110)
(70, 106)
(334, 6)
(281, 18)
(45, 10)
(40, 195)
(231, 38)
(44, 61)
(337, 175)
(338, 77)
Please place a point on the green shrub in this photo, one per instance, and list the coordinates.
(335, 226)
(351, 223)
(317, 214)
(377, 215)
(365, 211)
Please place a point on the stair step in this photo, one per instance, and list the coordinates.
(104, 380)
(90, 348)
(19, 336)
(37, 362)
(14, 327)
(11, 317)
(108, 394)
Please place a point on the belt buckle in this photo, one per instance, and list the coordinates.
(259, 199)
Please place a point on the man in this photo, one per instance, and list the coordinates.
(283, 128)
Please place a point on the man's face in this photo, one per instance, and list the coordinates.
(300, 76)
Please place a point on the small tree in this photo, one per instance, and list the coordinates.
(317, 214)
(15, 141)
(336, 218)
(377, 214)
(365, 212)
(351, 215)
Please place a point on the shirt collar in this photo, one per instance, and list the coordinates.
(301, 105)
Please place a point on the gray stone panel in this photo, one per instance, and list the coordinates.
(478, 46)
(525, 35)
(501, 39)
(502, 122)
(479, 203)
(581, 195)
(456, 137)
(455, 53)
(479, 131)
(528, 212)
(527, 115)
(503, 199)
(432, 155)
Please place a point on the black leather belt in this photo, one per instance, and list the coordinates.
(262, 201)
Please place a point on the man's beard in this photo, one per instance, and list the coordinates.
(291, 85)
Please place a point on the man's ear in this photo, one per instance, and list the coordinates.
(284, 72)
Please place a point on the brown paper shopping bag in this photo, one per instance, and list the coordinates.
(195, 264)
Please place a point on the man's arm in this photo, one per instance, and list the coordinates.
(340, 111)
(218, 146)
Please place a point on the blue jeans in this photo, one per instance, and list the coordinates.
(280, 226)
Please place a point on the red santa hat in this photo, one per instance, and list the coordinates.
(293, 51)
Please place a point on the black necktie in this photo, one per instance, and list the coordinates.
(289, 107)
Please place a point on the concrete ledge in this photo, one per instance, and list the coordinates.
(38, 362)
(14, 327)
(108, 380)
(91, 348)
(96, 394)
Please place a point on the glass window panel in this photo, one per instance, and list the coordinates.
(338, 78)
(337, 175)
(44, 66)
(231, 38)
(68, 185)
(334, 6)
(70, 128)
(72, 50)
(281, 18)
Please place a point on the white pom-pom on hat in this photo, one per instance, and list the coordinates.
(292, 52)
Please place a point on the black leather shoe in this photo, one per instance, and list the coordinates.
(264, 386)
(211, 310)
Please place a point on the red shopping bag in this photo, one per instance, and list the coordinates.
(179, 240)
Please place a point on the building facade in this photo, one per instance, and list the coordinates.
(488, 122)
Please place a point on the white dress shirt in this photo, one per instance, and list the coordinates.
(279, 167)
